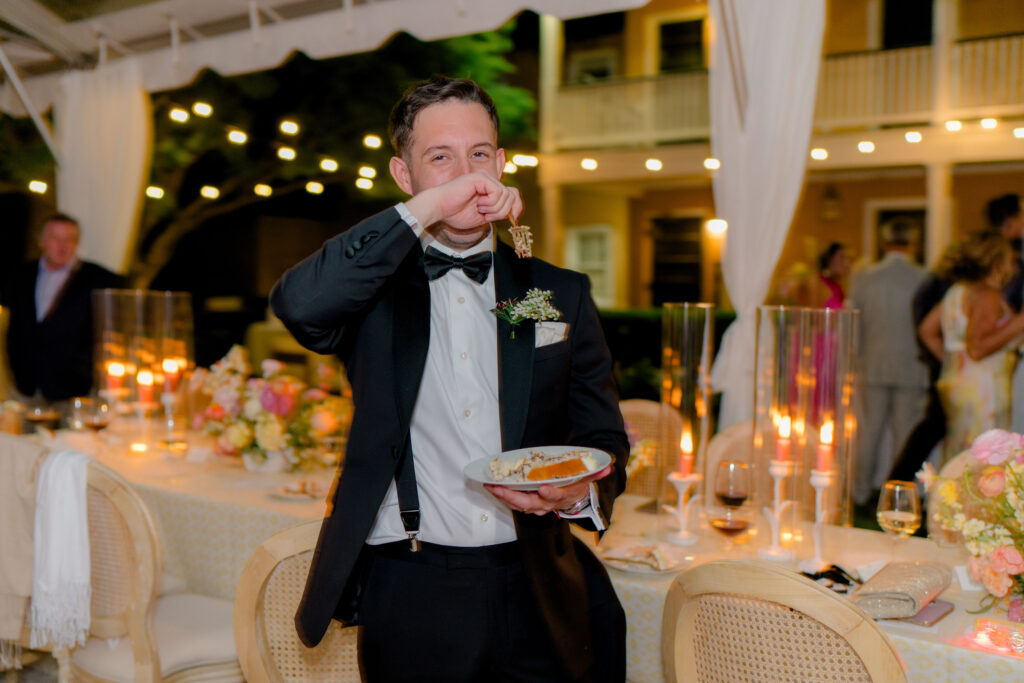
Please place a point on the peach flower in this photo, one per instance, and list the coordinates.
(1007, 559)
(992, 481)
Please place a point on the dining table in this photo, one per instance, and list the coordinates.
(959, 647)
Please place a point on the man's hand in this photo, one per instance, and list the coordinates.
(547, 498)
(466, 202)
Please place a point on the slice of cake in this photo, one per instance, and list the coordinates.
(539, 466)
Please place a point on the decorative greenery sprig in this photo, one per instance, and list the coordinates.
(536, 306)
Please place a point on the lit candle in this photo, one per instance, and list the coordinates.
(172, 373)
(115, 375)
(145, 382)
(686, 453)
(782, 444)
(825, 452)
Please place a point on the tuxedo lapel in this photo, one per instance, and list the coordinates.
(410, 332)
(515, 355)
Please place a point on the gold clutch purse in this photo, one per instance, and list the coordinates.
(902, 589)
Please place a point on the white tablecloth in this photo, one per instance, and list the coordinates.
(947, 651)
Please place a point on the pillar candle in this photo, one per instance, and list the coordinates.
(824, 461)
(145, 382)
(686, 453)
(172, 373)
(115, 375)
(782, 444)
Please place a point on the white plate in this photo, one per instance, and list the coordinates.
(480, 469)
(673, 563)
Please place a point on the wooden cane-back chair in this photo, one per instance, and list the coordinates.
(181, 637)
(268, 594)
(736, 620)
(659, 423)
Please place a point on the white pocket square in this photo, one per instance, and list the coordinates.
(548, 332)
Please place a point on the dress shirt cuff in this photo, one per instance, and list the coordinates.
(591, 512)
(409, 219)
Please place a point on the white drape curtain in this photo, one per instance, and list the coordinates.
(103, 132)
(764, 74)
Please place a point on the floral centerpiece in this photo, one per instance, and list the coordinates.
(274, 421)
(985, 506)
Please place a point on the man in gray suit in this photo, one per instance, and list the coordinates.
(893, 380)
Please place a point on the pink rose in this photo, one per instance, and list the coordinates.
(1007, 559)
(992, 481)
(215, 411)
(279, 397)
(271, 367)
(997, 583)
(996, 446)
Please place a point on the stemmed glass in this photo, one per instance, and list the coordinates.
(732, 488)
(899, 509)
(91, 413)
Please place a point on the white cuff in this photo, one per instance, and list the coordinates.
(409, 218)
(593, 512)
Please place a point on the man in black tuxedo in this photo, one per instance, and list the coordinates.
(499, 589)
(50, 338)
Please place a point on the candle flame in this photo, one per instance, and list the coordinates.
(115, 369)
(170, 366)
(686, 442)
(799, 426)
(145, 377)
(826, 432)
(784, 427)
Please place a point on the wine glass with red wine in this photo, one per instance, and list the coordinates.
(732, 488)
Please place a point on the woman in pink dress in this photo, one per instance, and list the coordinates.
(833, 266)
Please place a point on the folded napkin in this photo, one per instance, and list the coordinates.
(61, 575)
(902, 589)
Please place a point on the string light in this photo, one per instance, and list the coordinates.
(510, 167)
(524, 160)
(865, 147)
(289, 127)
(367, 172)
(364, 183)
(155, 192)
(953, 126)
(209, 191)
(819, 154)
(37, 186)
(912, 136)
(717, 226)
(263, 190)
(372, 141)
(653, 164)
(989, 124)
(712, 164)
(237, 137)
(178, 114)
(202, 109)
(588, 164)
(313, 187)
(328, 164)
(286, 153)
(1018, 132)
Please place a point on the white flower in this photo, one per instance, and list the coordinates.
(927, 476)
(270, 433)
(536, 306)
(252, 408)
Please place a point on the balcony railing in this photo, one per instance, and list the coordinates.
(856, 90)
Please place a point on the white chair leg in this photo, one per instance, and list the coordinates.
(63, 658)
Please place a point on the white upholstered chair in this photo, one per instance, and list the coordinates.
(644, 419)
(268, 594)
(737, 620)
(136, 634)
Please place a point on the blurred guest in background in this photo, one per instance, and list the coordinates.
(974, 331)
(826, 290)
(1004, 217)
(894, 382)
(50, 339)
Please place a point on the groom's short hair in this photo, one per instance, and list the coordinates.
(422, 95)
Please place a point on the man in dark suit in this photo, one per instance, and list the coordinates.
(50, 338)
(499, 589)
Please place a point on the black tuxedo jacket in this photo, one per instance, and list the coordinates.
(364, 297)
(54, 355)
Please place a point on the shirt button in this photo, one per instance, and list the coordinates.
(467, 412)
(484, 517)
(461, 299)
(463, 355)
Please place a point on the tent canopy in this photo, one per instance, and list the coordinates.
(172, 40)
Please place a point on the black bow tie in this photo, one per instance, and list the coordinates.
(476, 267)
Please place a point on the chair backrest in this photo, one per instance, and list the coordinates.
(739, 620)
(659, 422)
(735, 442)
(268, 594)
(126, 557)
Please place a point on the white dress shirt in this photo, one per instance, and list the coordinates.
(456, 417)
(48, 286)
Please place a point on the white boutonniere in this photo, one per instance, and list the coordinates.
(536, 306)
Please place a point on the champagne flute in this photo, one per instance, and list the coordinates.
(899, 510)
(732, 488)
